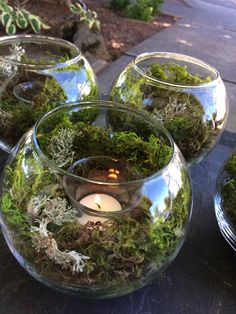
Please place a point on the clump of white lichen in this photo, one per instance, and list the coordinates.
(8, 69)
(172, 109)
(61, 147)
(48, 210)
(5, 117)
(35, 205)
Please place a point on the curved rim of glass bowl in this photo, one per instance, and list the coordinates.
(227, 228)
(105, 105)
(175, 56)
(31, 38)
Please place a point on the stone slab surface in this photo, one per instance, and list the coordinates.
(223, 3)
(178, 8)
(208, 4)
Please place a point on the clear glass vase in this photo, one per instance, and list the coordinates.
(186, 94)
(96, 199)
(38, 73)
(225, 200)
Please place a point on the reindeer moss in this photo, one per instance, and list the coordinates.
(172, 72)
(228, 188)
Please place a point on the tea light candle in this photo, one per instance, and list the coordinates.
(99, 202)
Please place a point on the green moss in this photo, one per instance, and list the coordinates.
(51, 96)
(144, 156)
(86, 115)
(228, 188)
(16, 220)
(172, 72)
(230, 166)
(184, 130)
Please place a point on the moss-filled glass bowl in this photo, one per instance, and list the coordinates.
(184, 93)
(96, 200)
(225, 200)
(37, 73)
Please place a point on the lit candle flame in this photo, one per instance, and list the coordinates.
(97, 201)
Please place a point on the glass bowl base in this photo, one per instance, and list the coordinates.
(225, 226)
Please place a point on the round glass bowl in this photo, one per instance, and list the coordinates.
(96, 199)
(37, 73)
(225, 201)
(186, 94)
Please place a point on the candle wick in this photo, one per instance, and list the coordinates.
(98, 205)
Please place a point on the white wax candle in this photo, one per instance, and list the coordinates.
(99, 202)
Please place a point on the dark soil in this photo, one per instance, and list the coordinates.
(120, 33)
